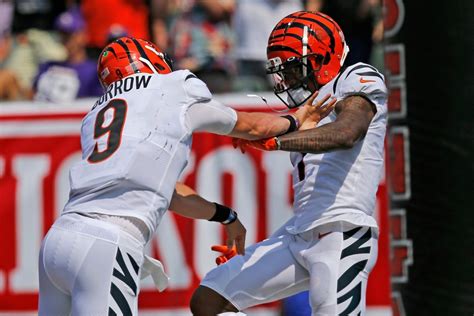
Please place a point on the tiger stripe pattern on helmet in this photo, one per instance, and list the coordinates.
(326, 48)
(126, 56)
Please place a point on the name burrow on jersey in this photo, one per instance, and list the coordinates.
(123, 85)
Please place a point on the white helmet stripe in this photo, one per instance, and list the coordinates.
(148, 63)
(154, 50)
(305, 48)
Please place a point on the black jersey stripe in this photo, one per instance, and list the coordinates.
(360, 67)
(301, 169)
(334, 87)
(370, 74)
(190, 76)
(124, 46)
(371, 67)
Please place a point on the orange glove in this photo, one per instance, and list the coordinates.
(227, 253)
(269, 144)
(240, 143)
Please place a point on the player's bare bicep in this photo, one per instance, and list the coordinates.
(356, 103)
(355, 113)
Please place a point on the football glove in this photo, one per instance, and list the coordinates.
(227, 253)
(268, 144)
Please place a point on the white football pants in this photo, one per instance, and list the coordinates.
(88, 267)
(332, 261)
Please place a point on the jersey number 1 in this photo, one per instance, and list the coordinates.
(113, 130)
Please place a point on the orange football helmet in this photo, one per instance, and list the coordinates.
(127, 56)
(305, 48)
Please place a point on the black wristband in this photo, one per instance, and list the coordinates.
(293, 123)
(224, 215)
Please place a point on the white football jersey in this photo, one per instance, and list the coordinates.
(342, 184)
(135, 144)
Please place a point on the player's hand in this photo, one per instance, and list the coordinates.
(310, 114)
(227, 253)
(235, 233)
(267, 144)
(240, 143)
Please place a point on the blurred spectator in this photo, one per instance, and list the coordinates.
(103, 16)
(9, 86)
(31, 43)
(37, 14)
(164, 13)
(202, 40)
(75, 77)
(116, 31)
(361, 21)
(313, 5)
(253, 22)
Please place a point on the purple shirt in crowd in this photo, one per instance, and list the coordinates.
(63, 81)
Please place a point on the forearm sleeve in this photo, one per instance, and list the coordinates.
(212, 117)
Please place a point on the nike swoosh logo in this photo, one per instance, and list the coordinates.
(362, 80)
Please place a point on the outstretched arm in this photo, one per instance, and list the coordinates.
(186, 202)
(352, 123)
(253, 126)
(213, 117)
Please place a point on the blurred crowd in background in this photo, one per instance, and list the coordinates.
(48, 49)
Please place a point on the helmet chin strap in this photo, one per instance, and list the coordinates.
(305, 50)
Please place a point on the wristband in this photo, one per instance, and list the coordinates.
(294, 124)
(277, 143)
(224, 215)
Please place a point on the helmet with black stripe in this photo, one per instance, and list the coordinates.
(127, 56)
(305, 51)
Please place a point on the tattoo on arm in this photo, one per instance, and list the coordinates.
(354, 116)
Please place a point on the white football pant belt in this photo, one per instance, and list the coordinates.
(154, 267)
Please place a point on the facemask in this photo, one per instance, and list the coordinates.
(297, 97)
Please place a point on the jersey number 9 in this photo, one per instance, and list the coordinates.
(112, 130)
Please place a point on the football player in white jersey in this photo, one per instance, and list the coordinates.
(135, 143)
(329, 246)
